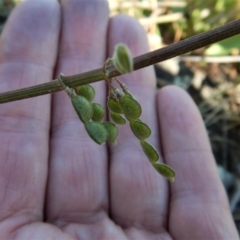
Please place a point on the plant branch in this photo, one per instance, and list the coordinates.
(173, 50)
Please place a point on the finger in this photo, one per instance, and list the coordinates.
(138, 194)
(198, 199)
(78, 169)
(28, 47)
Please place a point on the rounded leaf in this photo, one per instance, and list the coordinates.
(128, 93)
(165, 171)
(97, 132)
(114, 106)
(86, 91)
(150, 151)
(82, 107)
(117, 118)
(140, 129)
(112, 131)
(98, 112)
(131, 108)
(122, 58)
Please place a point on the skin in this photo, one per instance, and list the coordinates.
(55, 182)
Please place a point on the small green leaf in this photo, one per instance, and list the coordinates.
(114, 106)
(128, 93)
(140, 129)
(117, 118)
(150, 151)
(112, 131)
(131, 108)
(97, 132)
(165, 171)
(82, 107)
(86, 91)
(122, 58)
(98, 112)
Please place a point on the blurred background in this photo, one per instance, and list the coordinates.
(210, 74)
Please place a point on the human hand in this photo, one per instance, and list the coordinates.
(55, 182)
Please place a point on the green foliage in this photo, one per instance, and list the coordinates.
(122, 59)
(131, 108)
(97, 132)
(98, 112)
(140, 129)
(117, 118)
(165, 171)
(205, 15)
(114, 105)
(121, 104)
(86, 91)
(150, 151)
(82, 107)
(112, 131)
(224, 47)
(198, 16)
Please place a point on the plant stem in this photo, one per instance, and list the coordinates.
(173, 50)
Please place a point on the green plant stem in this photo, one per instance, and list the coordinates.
(173, 50)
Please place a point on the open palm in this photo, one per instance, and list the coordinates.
(55, 182)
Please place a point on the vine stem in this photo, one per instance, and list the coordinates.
(198, 41)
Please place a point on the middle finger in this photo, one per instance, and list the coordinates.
(138, 193)
(78, 167)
